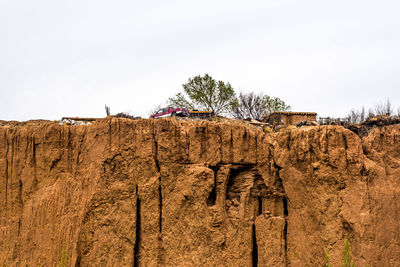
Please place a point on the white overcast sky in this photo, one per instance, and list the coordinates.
(70, 58)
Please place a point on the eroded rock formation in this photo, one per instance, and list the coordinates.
(164, 192)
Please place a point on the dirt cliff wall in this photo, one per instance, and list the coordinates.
(164, 192)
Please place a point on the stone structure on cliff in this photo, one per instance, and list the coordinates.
(290, 118)
(164, 192)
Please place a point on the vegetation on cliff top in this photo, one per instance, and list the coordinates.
(204, 92)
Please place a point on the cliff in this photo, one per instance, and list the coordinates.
(163, 192)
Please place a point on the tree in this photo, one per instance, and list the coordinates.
(383, 108)
(274, 104)
(257, 106)
(356, 116)
(206, 93)
(360, 116)
(249, 105)
(180, 101)
(107, 110)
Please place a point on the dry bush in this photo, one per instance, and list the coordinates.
(126, 115)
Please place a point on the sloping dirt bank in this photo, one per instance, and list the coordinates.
(125, 192)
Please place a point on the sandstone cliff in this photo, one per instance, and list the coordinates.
(164, 192)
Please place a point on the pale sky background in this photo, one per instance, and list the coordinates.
(70, 58)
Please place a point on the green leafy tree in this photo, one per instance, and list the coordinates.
(203, 92)
(179, 100)
(274, 104)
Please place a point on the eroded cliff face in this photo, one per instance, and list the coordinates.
(166, 192)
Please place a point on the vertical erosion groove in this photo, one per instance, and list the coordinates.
(254, 251)
(160, 203)
(212, 197)
(109, 136)
(157, 164)
(138, 231)
(34, 155)
(20, 193)
(220, 143)
(78, 261)
(69, 149)
(260, 206)
(286, 213)
(285, 207)
(11, 161)
(159, 180)
(6, 169)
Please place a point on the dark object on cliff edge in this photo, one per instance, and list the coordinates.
(378, 121)
(125, 115)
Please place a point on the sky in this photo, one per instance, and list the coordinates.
(70, 58)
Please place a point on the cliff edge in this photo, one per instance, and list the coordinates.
(165, 192)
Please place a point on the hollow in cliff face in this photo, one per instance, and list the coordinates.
(168, 192)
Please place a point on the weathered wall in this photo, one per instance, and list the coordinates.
(295, 119)
(164, 192)
(290, 118)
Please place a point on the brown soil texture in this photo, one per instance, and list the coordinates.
(165, 192)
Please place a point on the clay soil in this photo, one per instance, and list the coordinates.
(122, 192)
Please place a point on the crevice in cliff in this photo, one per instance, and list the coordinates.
(19, 226)
(70, 152)
(34, 166)
(78, 261)
(212, 197)
(231, 147)
(254, 249)
(220, 144)
(285, 229)
(260, 206)
(203, 141)
(365, 173)
(155, 148)
(109, 134)
(33, 152)
(348, 229)
(279, 186)
(160, 221)
(54, 163)
(20, 193)
(285, 206)
(234, 187)
(81, 141)
(289, 137)
(138, 231)
(12, 159)
(160, 204)
(345, 151)
(256, 146)
(160, 199)
(159, 182)
(6, 169)
(187, 145)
